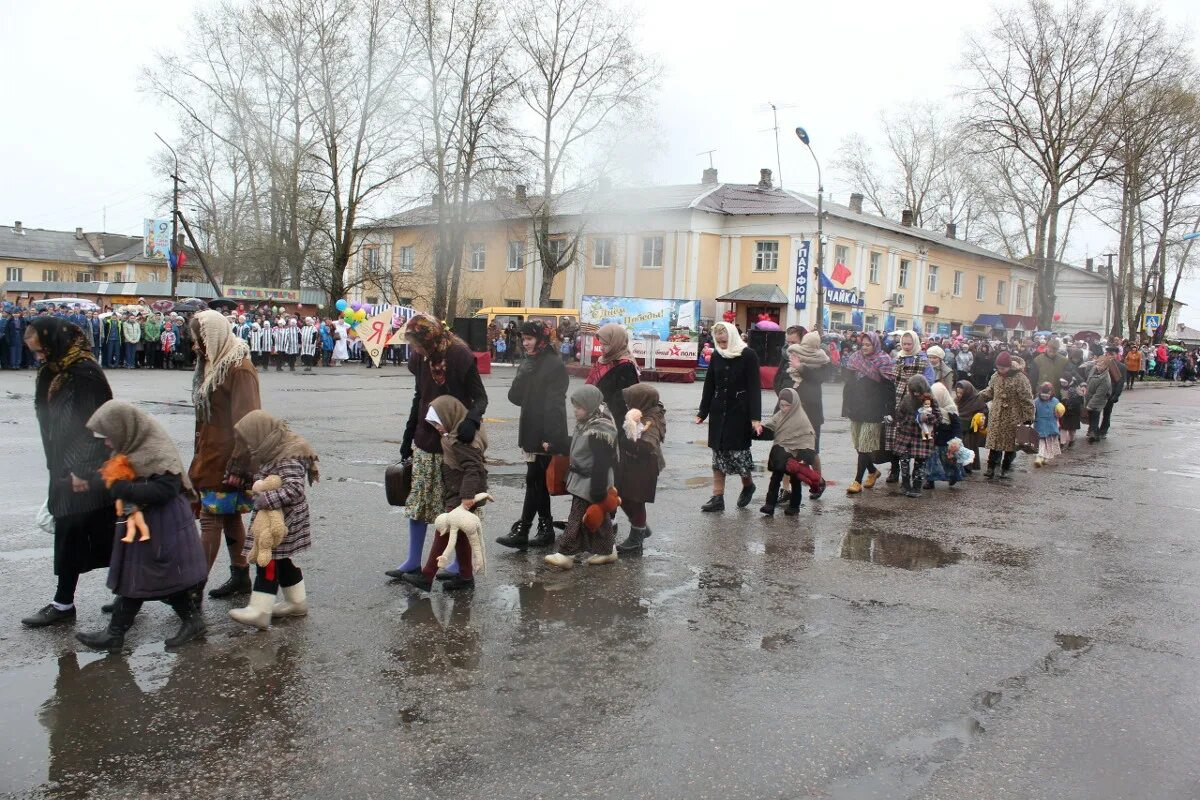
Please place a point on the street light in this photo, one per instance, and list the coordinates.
(173, 268)
(802, 135)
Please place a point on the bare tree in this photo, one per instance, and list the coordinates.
(1046, 80)
(581, 73)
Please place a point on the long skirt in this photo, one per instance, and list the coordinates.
(171, 561)
(867, 437)
(578, 539)
(939, 467)
(83, 542)
(425, 500)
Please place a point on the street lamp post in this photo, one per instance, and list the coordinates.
(802, 135)
(173, 268)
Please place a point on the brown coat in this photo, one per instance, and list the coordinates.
(232, 400)
(1012, 404)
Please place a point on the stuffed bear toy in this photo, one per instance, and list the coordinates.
(461, 520)
(268, 526)
(117, 469)
(594, 516)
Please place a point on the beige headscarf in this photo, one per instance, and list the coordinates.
(615, 341)
(140, 438)
(736, 343)
(450, 413)
(222, 351)
(268, 440)
(793, 430)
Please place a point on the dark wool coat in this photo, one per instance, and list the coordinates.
(69, 446)
(614, 382)
(907, 439)
(732, 399)
(540, 391)
(809, 390)
(865, 400)
(905, 368)
(462, 382)
(173, 559)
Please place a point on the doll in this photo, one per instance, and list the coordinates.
(925, 419)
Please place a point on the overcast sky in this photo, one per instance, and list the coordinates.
(77, 136)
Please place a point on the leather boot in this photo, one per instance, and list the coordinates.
(238, 583)
(633, 542)
(112, 637)
(545, 534)
(517, 536)
(715, 503)
(191, 624)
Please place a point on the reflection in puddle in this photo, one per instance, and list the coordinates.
(897, 550)
(1072, 641)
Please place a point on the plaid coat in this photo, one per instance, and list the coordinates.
(905, 368)
(907, 441)
(292, 500)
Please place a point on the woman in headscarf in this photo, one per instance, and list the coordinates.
(70, 387)
(615, 371)
(224, 389)
(539, 389)
(1071, 390)
(1011, 397)
(808, 367)
(442, 364)
(794, 438)
(732, 404)
(170, 566)
(645, 429)
(908, 361)
(982, 366)
(910, 446)
(593, 455)
(970, 404)
(868, 396)
(271, 449)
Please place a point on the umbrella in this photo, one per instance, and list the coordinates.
(190, 306)
(223, 304)
(767, 325)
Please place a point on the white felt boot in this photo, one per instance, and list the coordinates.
(560, 561)
(257, 614)
(596, 560)
(294, 602)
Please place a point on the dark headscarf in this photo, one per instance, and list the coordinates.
(64, 345)
(915, 393)
(540, 331)
(434, 341)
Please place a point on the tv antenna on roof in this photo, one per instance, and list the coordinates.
(709, 154)
(774, 109)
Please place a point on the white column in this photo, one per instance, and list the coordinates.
(692, 282)
(860, 271)
(633, 262)
(668, 264)
(723, 265)
(733, 277)
(621, 257)
(569, 284)
(919, 290)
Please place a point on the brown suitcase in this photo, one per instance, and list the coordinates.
(397, 481)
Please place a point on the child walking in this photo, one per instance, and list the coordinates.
(793, 454)
(273, 450)
(589, 478)
(464, 475)
(641, 460)
(1047, 411)
(909, 446)
(170, 565)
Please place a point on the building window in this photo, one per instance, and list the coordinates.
(1020, 295)
(958, 279)
(85, 277)
(474, 304)
(512, 302)
(902, 280)
(876, 258)
(371, 299)
(49, 274)
(901, 324)
(766, 256)
(405, 261)
(652, 251)
(1000, 295)
(14, 274)
(554, 304)
(516, 255)
(838, 317)
(404, 301)
(931, 279)
(872, 322)
(478, 259)
(980, 287)
(557, 248)
(370, 259)
(841, 254)
(928, 328)
(602, 253)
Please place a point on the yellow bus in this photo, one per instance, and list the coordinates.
(502, 315)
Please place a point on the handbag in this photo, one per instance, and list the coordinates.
(1027, 439)
(397, 482)
(556, 475)
(44, 520)
(225, 503)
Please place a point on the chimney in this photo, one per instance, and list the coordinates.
(79, 233)
(18, 230)
(906, 218)
(764, 179)
(522, 193)
(856, 202)
(951, 230)
(1091, 265)
(710, 176)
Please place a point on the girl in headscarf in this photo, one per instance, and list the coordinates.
(732, 404)
(539, 389)
(909, 447)
(224, 389)
(909, 361)
(442, 364)
(809, 366)
(868, 396)
(1046, 412)
(615, 371)
(170, 566)
(271, 448)
(794, 438)
(70, 387)
(939, 466)
(464, 475)
(972, 416)
(593, 454)
(645, 429)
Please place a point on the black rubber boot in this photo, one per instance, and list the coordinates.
(633, 542)
(715, 503)
(545, 534)
(191, 622)
(517, 536)
(112, 637)
(418, 580)
(768, 509)
(238, 583)
(905, 477)
(746, 495)
(914, 486)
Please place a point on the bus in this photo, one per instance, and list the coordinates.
(502, 315)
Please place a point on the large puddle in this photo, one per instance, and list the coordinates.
(897, 550)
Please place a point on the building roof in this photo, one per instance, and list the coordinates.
(204, 291)
(726, 199)
(755, 293)
(71, 247)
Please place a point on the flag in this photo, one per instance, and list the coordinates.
(840, 273)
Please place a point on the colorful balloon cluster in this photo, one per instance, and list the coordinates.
(352, 313)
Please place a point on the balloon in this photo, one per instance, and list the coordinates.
(341, 305)
(356, 306)
(1057, 316)
(360, 315)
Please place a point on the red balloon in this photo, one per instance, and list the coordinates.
(1057, 316)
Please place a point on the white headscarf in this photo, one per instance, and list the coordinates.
(736, 344)
(944, 400)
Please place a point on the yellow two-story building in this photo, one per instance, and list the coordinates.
(750, 248)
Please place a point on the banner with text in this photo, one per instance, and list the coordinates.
(675, 323)
(156, 238)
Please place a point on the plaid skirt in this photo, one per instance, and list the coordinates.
(907, 442)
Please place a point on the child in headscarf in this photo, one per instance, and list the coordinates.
(272, 449)
(1047, 411)
(940, 466)
(792, 454)
(909, 447)
(170, 566)
(464, 475)
(590, 476)
(645, 428)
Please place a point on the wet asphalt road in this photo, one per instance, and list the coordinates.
(1023, 641)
